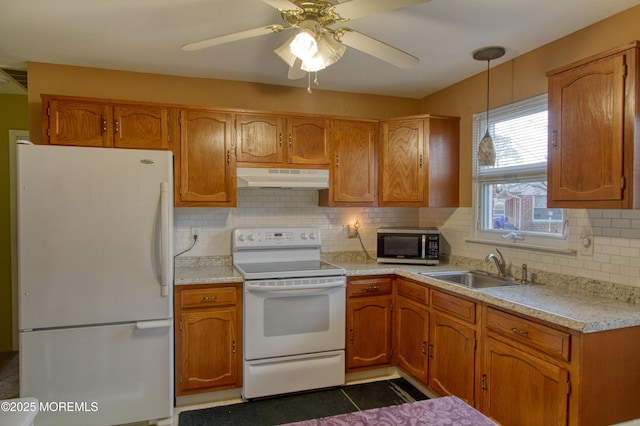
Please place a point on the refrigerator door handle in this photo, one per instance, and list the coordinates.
(164, 239)
(148, 325)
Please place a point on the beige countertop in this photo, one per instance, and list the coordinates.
(573, 309)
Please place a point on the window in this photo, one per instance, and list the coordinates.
(512, 195)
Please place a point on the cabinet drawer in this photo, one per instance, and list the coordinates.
(455, 306)
(412, 291)
(207, 297)
(368, 286)
(545, 339)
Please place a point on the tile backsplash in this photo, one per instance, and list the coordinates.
(615, 256)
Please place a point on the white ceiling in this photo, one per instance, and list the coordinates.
(146, 36)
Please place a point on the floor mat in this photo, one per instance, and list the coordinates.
(305, 406)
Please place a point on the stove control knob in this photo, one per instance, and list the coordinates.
(241, 237)
(303, 235)
(313, 236)
(250, 237)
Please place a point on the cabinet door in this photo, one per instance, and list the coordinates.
(443, 139)
(141, 126)
(207, 162)
(412, 328)
(308, 141)
(521, 389)
(79, 123)
(368, 332)
(402, 165)
(452, 358)
(586, 112)
(259, 138)
(208, 349)
(353, 169)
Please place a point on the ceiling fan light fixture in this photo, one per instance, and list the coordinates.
(329, 52)
(304, 45)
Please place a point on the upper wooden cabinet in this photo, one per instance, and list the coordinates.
(205, 163)
(282, 141)
(308, 141)
(418, 162)
(593, 139)
(97, 123)
(353, 166)
(259, 138)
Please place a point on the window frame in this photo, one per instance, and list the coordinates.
(484, 179)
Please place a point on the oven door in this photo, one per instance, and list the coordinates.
(281, 320)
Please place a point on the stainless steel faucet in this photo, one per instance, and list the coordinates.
(500, 263)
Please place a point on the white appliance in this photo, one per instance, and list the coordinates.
(253, 177)
(294, 311)
(95, 271)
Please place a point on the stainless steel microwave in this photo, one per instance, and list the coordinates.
(409, 245)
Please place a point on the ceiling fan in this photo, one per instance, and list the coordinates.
(317, 45)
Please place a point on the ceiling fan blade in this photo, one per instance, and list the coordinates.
(378, 49)
(281, 4)
(269, 29)
(295, 71)
(358, 8)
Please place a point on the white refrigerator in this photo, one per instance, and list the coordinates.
(95, 273)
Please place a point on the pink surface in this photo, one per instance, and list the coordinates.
(450, 411)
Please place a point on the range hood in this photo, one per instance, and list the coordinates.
(249, 177)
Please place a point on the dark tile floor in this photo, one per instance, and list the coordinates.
(308, 405)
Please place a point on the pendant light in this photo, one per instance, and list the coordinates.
(486, 148)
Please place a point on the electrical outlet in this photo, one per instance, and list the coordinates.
(195, 232)
(351, 231)
(585, 241)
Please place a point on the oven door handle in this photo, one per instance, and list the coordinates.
(292, 291)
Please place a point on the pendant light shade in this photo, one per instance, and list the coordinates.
(486, 148)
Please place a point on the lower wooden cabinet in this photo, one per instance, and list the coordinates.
(208, 338)
(412, 329)
(412, 337)
(452, 355)
(369, 319)
(522, 389)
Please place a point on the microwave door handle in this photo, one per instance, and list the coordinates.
(424, 247)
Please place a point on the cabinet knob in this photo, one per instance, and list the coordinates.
(372, 288)
(208, 299)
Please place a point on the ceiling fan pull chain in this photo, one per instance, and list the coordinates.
(309, 91)
(315, 80)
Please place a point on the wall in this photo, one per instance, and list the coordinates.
(12, 116)
(523, 77)
(616, 233)
(101, 83)
(284, 207)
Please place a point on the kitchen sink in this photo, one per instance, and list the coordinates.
(472, 279)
